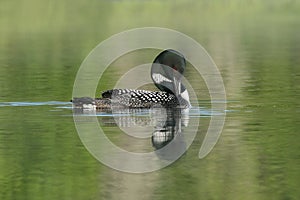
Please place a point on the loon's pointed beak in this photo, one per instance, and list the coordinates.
(177, 84)
(181, 93)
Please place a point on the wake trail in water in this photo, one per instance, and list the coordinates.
(193, 112)
(45, 103)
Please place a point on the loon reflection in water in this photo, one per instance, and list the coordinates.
(166, 72)
(163, 126)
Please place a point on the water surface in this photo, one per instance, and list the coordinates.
(256, 46)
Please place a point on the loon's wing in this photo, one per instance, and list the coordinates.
(139, 98)
(128, 98)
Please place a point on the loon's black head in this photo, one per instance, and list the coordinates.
(167, 71)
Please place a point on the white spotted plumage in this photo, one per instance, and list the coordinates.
(141, 98)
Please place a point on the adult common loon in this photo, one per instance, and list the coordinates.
(166, 72)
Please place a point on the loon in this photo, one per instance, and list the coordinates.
(166, 72)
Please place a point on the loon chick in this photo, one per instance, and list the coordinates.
(166, 72)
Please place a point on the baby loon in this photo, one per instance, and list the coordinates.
(166, 72)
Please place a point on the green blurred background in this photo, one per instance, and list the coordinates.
(256, 46)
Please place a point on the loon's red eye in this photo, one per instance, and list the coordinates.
(175, 68)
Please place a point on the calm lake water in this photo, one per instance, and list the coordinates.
(256, 47)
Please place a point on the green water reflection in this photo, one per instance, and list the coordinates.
(255, 44)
